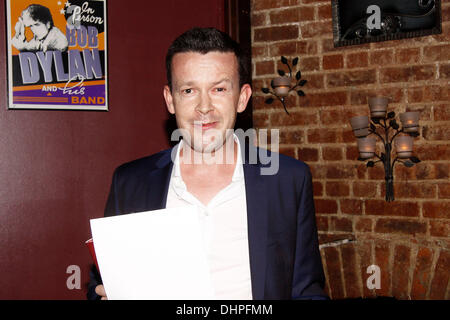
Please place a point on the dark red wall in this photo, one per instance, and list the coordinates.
(56, 166)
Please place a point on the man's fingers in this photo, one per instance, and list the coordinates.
(100, 290)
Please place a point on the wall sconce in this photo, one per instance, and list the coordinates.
(283, 84)
(363, 127)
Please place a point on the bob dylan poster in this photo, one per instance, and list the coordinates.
(57, 54)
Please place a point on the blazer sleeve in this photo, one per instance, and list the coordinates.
(110, 209)
(308, 277)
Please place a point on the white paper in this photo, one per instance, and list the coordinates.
(152, 255)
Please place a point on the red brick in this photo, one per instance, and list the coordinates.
(318, 188)
(439, 228)
(411, 190)
(381, 57)
(421, 277)
(291, 48)
(430, 93)
(357, 60)
(351, 152)
(268, 4)
(322, 99)
(341, 224)
(444, 190)
(334, 272)
(395, 208)
(341, 171)
(322, 136)
(436, 133)
(351, 78)
(444, 71)
(407, 74)
(363, 225)
(352, 283)
(441, 275)
(315, 81)
(382, 257)
(432, 152)
(295, 118)
(309, 64)
(259, 51)
(331, 116)
(322, 223)
(284, 16)
(337, 188)
(308, 154)
(331, 154)
(335, 61)
(360, 96)
(351, 206)
(400, 226)
(258, 19)
(306, 14)
(400, 272)
(407, 55)
(316, 29)
(276, 33)
(364, 251)
(365, 189)
(260, 120)
(442, 112)
(325, 206)
(264, 67)
(324, 12)
(288, 151)
(292, 137)
(436, 209)
(436, 53)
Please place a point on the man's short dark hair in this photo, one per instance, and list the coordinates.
(40, 13)
(204, 40)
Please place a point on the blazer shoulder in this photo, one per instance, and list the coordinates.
(144, 165)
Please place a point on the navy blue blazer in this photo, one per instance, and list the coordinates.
(284, 253)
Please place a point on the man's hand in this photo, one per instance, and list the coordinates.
(100, 290)
(20, 29)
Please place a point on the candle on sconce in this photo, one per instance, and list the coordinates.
(366, 147)
(281, 85)
(410, 121)
(378, 106)
(360, 126)
(404, 146)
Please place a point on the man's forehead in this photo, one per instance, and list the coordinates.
(26, 18)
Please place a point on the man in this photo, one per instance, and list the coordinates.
(260, 229)
(45, 35)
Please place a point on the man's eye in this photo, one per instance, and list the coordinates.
(187, 91)
(220, 89)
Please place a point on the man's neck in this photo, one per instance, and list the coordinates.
(221, 160)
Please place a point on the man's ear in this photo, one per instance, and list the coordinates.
(169, 99)
(48, 25)
(244, 96)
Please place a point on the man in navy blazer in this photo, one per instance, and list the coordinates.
(283, 252)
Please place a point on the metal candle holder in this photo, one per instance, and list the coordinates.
(281, 86)
(391, 129)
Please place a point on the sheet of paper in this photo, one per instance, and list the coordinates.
(153, 255)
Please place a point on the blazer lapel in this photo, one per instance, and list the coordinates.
(159, 182)
(257, 212)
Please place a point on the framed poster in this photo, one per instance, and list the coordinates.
(362, 21)
(57, 54)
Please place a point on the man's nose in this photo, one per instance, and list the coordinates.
(205, 104)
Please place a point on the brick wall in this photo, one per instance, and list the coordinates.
(409, 238)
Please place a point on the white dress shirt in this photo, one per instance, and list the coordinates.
(224, 225)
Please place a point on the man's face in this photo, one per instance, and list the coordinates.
(39, 29)
(205, 97)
